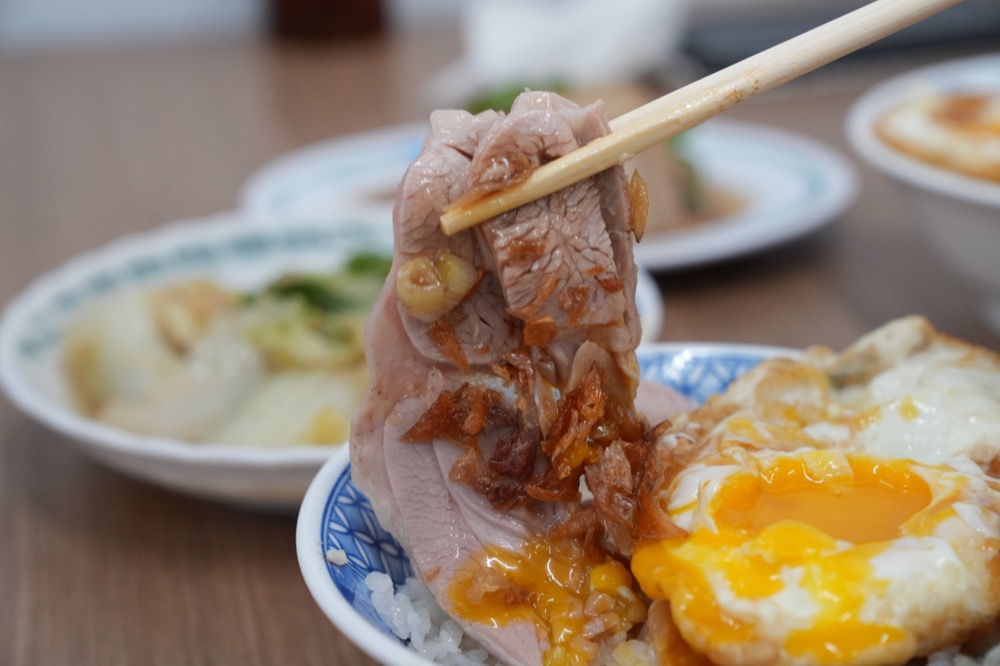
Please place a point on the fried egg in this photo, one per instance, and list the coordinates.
(826, 557)
(902, 391)
(957, 131)
(838, 509)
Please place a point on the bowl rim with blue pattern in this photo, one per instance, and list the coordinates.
(336, 515)
(236, 249)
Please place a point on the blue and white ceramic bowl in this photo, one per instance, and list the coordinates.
(335, 515)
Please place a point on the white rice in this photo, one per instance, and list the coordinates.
(336, 556)
(413, 614)
(952, 658)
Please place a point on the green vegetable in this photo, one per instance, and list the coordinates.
(314, 292)
(369, 263)
(695, 196)
(312, 321)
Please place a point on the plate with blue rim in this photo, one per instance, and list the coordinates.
(788, 185)
(336, 516)
(230, 249)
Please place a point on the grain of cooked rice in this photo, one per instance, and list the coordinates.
(412, 613)
(952, 658)
(336, 557)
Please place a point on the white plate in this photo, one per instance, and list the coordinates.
(236, 250)
(355, 171)
(791, 185)
(977, 73)
(335, 515)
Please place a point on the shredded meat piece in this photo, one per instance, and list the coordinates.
(610, 282)
(459, 416)
(490, 583)
(515, 455)
(651, 520)
(610, 479)
(584, 526)
(444, 335)
(540, 332)
(567, 442)
(567, 490)
(575, 301)
(503, 492)
(583, 438)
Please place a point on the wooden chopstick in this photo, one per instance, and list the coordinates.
(693, 104)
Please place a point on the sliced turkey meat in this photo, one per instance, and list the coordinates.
(502, 358)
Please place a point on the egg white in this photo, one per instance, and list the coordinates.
(904, 396)
(928, 585)
(915, 127)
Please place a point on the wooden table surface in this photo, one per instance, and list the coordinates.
(96, 568)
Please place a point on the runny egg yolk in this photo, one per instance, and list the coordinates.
(866, 504)
(571, 593)
(796, 535)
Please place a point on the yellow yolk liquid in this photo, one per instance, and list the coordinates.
(867, 505)
(787, 526)
(557, 585)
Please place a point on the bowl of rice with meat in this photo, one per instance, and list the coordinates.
(526, 485)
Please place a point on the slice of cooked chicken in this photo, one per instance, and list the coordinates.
(503, 363)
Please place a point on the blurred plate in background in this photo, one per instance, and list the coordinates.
(789, 185)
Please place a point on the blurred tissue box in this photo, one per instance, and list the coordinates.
(571, 43)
